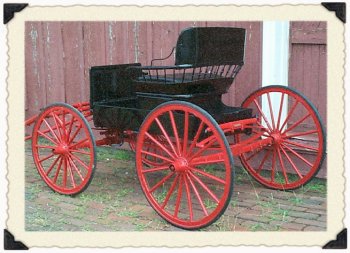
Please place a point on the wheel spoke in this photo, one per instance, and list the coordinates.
(261, 134)
(62, 123)
(79, 161)
(197, 195)
(289, 114)
(267, 153)
(176, 135)
(263, 115)
(57, 127)
(189, 200)
(273, 166)
(201, 183)
(64, 172)
(171, 190)
(47, 157)
(254, 154)
(78, 143)
(46, 147)
(165, 135)
(70, 172)
(75, 134)
(154, 169)
(271, 111)
(47, 137)
(185, 140)
(164, 179)
(156, 156)
(70, 128)
(301, 145)
(208, 175)
(179, 195)
(280, 112)
(58, 170)
(297, 123)
(291, 162)
(195, 139)
(79, 151)
(52, 131)
(75, 168)
(298, 155)
(159, 144)
(52, 166)
(282, 166)
(301, 133)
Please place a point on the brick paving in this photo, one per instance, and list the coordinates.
(114, 202)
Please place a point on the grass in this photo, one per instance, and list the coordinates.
(295, 200)
(209, 168)
(107, 154)
(123, 192)
(234, 203)
(160, 196)
(56, 197)
(97, 197)
(41, 220)
(257, 227)
(32, 191)
(317, 185)
(81, 211)
(141, 226)
(129, 213)
(263, 227)
(209, 204)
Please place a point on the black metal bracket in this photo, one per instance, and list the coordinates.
(11, 244)
(338, 7)
(340, 243)
(10, 9)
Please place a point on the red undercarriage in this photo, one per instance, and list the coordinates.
(255, 142)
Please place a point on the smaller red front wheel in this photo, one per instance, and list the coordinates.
(298, 138)
(184, 165)
(63, 149)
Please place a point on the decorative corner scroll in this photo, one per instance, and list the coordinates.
(340, 243)
(11, 244)
(338, 7)
(10, 9)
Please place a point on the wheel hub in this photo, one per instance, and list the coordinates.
(277, 138)
(180, 164)
(61, 149)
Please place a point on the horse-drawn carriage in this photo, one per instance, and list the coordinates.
(183, 135)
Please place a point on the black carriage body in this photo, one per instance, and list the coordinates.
(206, 62)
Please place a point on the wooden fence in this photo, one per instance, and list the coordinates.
(59, 55)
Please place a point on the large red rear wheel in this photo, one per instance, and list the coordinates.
(190, 179)
(299, 142)
(64, 149)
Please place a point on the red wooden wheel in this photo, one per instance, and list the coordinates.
(299, 142)
(190, 180)
(64, 149)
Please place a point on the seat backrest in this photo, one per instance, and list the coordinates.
(206, 46)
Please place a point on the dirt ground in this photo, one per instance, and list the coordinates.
(114, 202)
